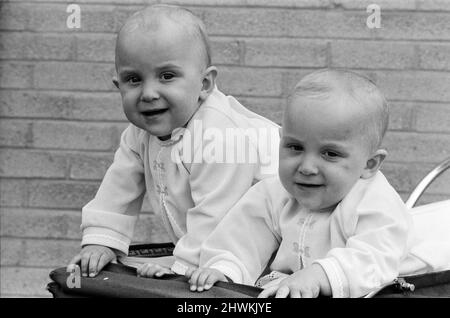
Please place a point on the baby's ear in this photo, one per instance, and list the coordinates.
(209, 82)
(373, 164)
(115, 82)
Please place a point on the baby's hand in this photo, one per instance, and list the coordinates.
(93, 258)
(153, 270)
(306, 283)
(204, 278)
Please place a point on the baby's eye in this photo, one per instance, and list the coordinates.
(167, 76)
(295, 147)
(331, 154)
(132, 79)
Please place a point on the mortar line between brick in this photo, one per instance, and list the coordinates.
(57, 151)
(54, 181)
(94, 151)
(238, 36)
(230, 66)
(243, 6)
(41, 238)
(256, 36)
(16, 209)
(28, 266)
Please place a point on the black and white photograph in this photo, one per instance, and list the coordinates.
(225, 149)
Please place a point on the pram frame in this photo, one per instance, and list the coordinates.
(426, 182)
(400, 286)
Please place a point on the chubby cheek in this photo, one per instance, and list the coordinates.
(129, 102)
(286, 172)
(130, 113)
(341, 180)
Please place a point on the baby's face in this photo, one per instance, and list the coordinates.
(322, 152)
(160, 76)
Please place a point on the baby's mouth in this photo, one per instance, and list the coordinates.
(309, 185)
(154, 112)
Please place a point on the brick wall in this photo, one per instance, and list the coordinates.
(61, 118)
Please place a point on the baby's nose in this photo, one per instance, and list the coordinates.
(307, 166)
(149, 92)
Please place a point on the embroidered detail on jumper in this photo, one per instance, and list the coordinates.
(303, 251)
(268, 278)
(302, 221)
(161, 189)
(158, 165)
(305, 223)
(163, 193)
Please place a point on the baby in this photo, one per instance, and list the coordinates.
(337, 226)
(175, 144)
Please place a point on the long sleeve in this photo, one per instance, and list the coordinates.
(242, 244)
(230, 163)
(110, 217)
(215, 188)
(377, 232)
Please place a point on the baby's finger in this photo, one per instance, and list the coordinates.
(210, 281)
(201, 280)
(104, 259)
(142, 269)
(194, 279)
(268, 292)
(163, 271)
(93, 264)
(149, 270)
(189, 272)
(307, 293)
(282, 292)
(153, 270)
(194, 276)
(85, 263)
(295, 294)
(139, 269)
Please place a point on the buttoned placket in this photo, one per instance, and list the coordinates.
(161, 188)
(158, 166)
(303, 251)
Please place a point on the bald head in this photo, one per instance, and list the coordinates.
(151, 18)
(356, 89)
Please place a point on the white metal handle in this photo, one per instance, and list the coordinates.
(425, 182)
